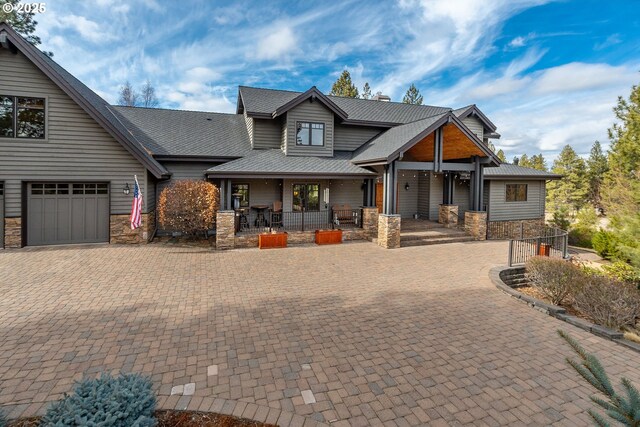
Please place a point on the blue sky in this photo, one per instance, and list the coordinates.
(546, 72)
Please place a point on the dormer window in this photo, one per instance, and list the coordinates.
(308, 133)
(22, 117)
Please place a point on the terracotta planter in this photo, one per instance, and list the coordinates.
(328, 237)
(544, 250)
(272, 240)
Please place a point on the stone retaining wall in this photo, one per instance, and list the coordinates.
(299, 237)
(120, 229)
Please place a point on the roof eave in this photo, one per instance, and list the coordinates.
(312, 94)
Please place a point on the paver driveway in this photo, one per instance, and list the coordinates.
(412, 336)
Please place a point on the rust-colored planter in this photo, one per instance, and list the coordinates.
(272, 240)
(328, 237)
(544, 250)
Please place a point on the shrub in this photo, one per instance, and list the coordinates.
(582, 237)
(3, 419)
(188, 206)
(624, 409)
(561, 218)
(608, 302)
(606, 244)
(124, 401)
(554, 278)
(623, 272)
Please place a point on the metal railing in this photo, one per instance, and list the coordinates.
(504, 230)
(252, 221)
(552, 242)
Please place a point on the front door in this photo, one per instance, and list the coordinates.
(379, 196)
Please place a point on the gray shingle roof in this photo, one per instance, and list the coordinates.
(266, 101)
(507, 170)
(93, 104)
(188, 133)
(274, 161)
(389, 142)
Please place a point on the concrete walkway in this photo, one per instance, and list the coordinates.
(342, 335)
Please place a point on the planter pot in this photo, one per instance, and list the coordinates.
(544, 250)
(272, 240)
(328, 237)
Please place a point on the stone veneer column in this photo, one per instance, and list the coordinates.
(389, 231)
(370, 222)
(448, 215)
(475, 223)
(12, 232)
(225, 230)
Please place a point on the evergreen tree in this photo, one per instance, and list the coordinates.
(344, 86)
(524, 161)
(538, 162)
(572, 189)
(501, 156)
(621, 188)
(516, 160)
(412, 96)
(366, 91)
(22, 22)
(597, 167)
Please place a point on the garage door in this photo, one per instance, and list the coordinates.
(1, 215)
(62, 213)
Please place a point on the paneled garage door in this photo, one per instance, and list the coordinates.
(67, 212)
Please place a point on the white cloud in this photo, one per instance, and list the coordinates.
(88, 29)
(276, 43)
(581, 76)
(518, 42)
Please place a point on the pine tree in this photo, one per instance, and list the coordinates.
(366, 91)
(22, 22)
(412, 96)
(524, 161)
(597, 167)
(516, 160)
(344, 86)
(128, 96)
(572, 189)
(501, 156)
(538, 162)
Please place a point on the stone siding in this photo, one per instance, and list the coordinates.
(389, 231)
(120, 229)
(370, 222)
(475, 224)
(448, 215)
(517, 229)
(12, 232)
(300, 237)
(225, 230)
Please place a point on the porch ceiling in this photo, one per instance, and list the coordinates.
(456, 145)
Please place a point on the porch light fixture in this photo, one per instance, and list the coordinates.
(126, 189)
(406, 186)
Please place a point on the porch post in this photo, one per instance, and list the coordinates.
(228, 195)
(394, 188)
(437, 150)
(223, 199)
(481, 188)
(390, 197)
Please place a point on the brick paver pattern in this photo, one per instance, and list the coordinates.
(411, 336)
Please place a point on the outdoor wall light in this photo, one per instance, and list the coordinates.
(406, 186)
(126, 189)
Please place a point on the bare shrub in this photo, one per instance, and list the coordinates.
(188, 206)
(554, 278)
(608, 302)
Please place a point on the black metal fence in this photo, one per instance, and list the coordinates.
(551, 242)
(253, 221)
(503, 230)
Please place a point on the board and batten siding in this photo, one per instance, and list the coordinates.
(474, 126)
(501, 210)
(76, 147)
(350, 138)
(309, 112)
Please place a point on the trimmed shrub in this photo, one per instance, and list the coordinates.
(188, 206)
(623, 272)
(123, 401)
(608, 302)
(554, 278)
(606, 244)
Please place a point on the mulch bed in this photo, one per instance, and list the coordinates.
(175, 419)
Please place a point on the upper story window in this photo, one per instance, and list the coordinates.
(516, 193)
(22, 117)
(308, 133)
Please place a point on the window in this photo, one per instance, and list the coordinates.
(22, 117)
(516, 193)
(310, 133)
(242, 191)
(306, 196)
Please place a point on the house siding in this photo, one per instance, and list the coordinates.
(346, 191)
(423, 195)
(474, 126)
(350, 138)
(75, 148)
(435, 196)
(249, 121)
(266, 133)
(461, 196)
(308, 112)
(182, 171)
(408, 199)
(501, 210)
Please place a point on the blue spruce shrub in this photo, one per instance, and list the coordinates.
(123, 401)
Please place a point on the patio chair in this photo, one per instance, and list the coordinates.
(276, 215)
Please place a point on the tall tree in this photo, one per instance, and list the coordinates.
(516, 160)
(344, 86)
(148, 96)
(21, 21)
(621, 187)
(412, 96)
(597, 167)
(366, 91)
(524, 161)
(573, 188)
(538, 161)
(128, 95)
(501, 156)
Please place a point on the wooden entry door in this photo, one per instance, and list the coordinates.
(379, 196)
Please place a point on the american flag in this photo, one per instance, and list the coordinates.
(136, 206)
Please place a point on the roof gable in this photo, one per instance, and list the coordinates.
(473, 110)
(97, 108)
